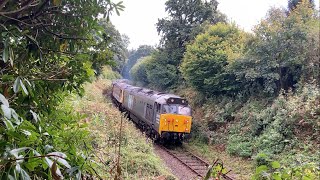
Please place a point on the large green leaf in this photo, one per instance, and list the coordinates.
(275, 164)
(5, 53)
(16, 85)
(3, 100)
(8, 124)
(11, 56)
(25, 91)
(6, 111)
(261, 169)
(15, 152)
(24, 175)
(35, 116)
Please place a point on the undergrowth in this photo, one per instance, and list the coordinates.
(285, 128)
(137, 159)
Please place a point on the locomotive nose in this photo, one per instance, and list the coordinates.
(175, 123)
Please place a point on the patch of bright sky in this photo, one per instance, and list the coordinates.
(140, 16)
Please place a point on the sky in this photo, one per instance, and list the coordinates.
(138, 19)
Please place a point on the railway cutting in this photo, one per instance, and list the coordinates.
(164, 118)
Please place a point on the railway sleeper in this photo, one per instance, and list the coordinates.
(193, 161)
(199, 168)
(185, 158)
(196, 164)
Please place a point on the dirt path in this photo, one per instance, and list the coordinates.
(175, 166)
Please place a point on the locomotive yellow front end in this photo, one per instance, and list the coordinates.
(175, 119)
(175, 123)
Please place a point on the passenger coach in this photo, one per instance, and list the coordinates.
(163, 116)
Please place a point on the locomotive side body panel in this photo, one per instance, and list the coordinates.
(117, 93)
(141, 107)
(126, 99)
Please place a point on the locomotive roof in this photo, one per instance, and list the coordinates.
(157, 96)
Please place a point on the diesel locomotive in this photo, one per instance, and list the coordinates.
(161, 115)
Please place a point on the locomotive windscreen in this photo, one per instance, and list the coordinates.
(177, 101)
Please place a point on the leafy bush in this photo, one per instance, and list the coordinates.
(108, 73)
(206, 61)
(271, 125)
(138, 71)
(282, 52)
(37, 144)
(270, 141)
(273, 170)
(240, 146)
(161, 74)
(134, 57)
(41, 135)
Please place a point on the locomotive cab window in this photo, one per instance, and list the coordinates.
(184, 110)
(176, 109)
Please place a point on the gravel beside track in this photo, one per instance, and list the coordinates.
(177, 168)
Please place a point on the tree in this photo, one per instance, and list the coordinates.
(47, 50)
(208, 60)
(292, 4)
(283, 49)
(184, 16)
(138, 71)
(181, 27)
(160, 73)
(134, 56)
(114, 42)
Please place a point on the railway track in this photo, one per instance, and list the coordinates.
(197, 165)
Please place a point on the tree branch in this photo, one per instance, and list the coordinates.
(30, 4)
(41, 156)
(48, 79)
(14, 19)
(65, 37)
(3, 4)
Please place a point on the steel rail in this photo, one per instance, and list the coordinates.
(200, 162)
(185, 163)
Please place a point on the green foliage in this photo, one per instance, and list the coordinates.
(112, 41)
(283, 51)
(138, 71)
(48, 50)
(274, 170)
(185, 21)
(31, 145)
(292, 4)
(177, 30)
(286, 124)
(108, 73)
(240, 146)
(161, 75)
(206, 64)
(135, 56)
(216, 171)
